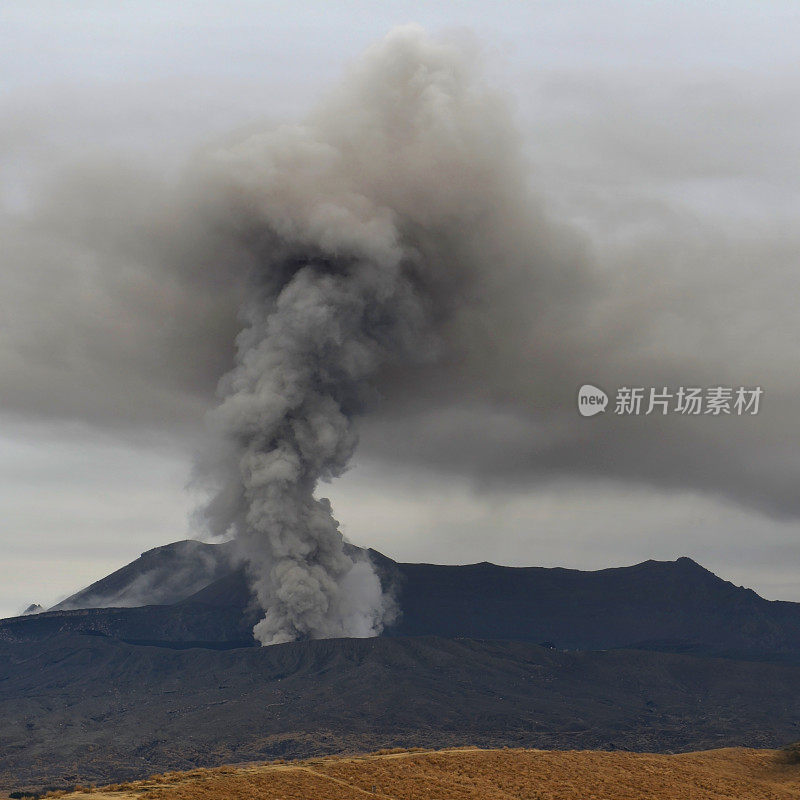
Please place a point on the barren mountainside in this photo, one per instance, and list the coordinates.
(660, 605)
(482, 655)
(113, 711)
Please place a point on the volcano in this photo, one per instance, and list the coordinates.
(199, 596)
(659, 656)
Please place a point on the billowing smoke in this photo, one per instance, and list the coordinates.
(345, 283)
(333, 300)
(387, 269)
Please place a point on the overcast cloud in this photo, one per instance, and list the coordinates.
(637, 228)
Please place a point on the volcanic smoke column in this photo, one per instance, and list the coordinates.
(350, 225)
(314, 338)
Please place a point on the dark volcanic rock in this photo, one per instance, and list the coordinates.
(663, 605)
(658, 605)
(117, 710)
(176, 626)
(88, 687)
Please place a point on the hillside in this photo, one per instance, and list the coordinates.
(161, 576)
(100, 709)
(664, 605)
(198, 596)
(472, 774)
(631, 660)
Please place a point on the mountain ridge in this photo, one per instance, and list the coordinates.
(621, 658)
(660, 605)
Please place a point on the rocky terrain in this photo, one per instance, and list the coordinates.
(661, 656)
(91, 708)
(657, 605)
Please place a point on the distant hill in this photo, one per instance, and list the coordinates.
(198, 596)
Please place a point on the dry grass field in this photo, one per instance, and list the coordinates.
(472, 774)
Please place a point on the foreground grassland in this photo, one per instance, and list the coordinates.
(471, 774)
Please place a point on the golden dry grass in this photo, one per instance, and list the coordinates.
(472, 774)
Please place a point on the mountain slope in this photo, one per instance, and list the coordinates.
(655, 604)
(658, 605)
(160, 576)
(119, 710)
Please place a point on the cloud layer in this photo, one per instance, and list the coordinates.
(123, 289)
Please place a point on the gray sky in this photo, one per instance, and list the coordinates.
(662, 135)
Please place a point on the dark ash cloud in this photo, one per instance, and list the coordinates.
(388, 269)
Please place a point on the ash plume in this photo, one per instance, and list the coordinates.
(386, 271)
(346, 282)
